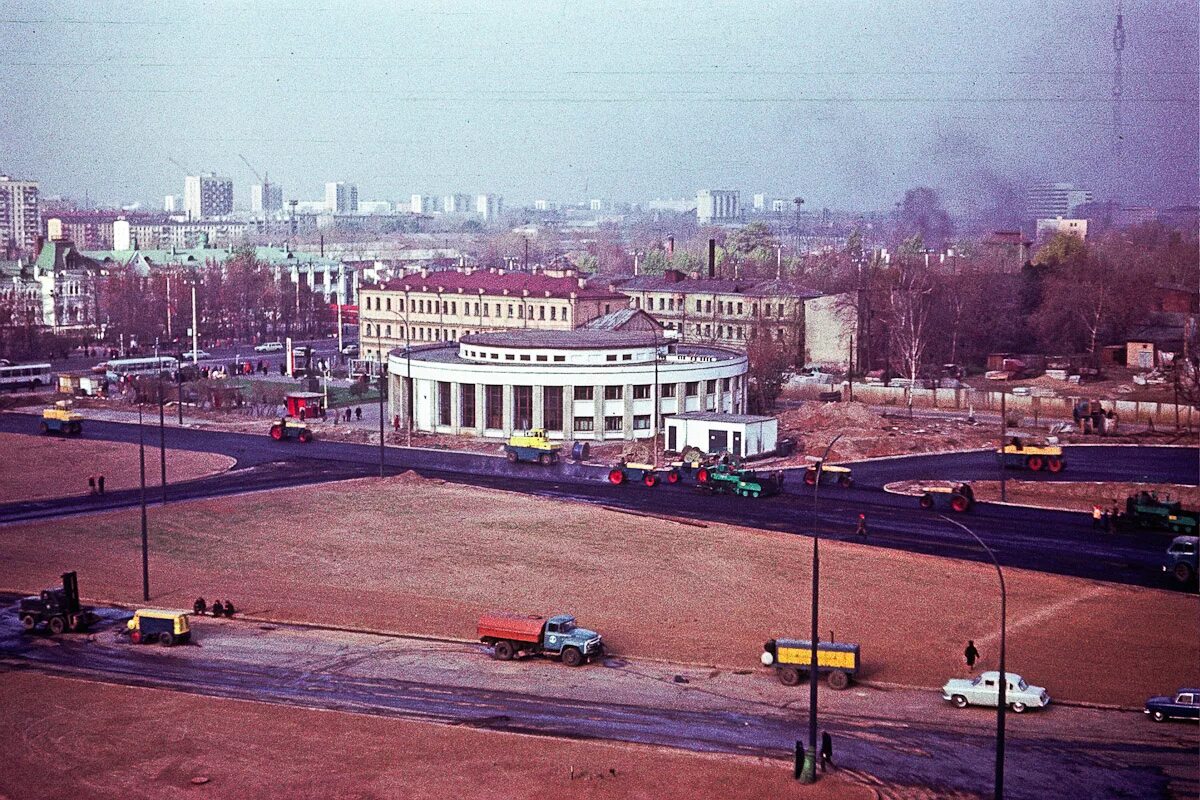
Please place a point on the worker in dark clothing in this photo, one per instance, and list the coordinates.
(91, 484)
(358, 412)
(199, 607)
(229, 609)
(971, 655)
(826, 750)
(100, 483)
(861, 530)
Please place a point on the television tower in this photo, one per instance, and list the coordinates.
(1118, 42)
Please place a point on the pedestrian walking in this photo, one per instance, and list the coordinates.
(100, 483)
(971, 655)
(1097, 517)
(358, 412)
(91, 484)
(861, 530)
(826, 750)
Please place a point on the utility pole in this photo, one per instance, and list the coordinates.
(145, 533)
(1118, 43)
(162, 437)
(1003, 438)
(382, 384)
(195, 329)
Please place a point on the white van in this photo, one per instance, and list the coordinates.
(269, 347)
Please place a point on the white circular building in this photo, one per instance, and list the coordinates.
(577, 384)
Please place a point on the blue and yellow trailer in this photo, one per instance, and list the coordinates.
(792, 660)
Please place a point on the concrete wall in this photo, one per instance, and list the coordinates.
(1161, 415)
(829, 322)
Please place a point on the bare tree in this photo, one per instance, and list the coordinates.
(909, 302)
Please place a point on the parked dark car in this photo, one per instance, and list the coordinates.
(1184, 705)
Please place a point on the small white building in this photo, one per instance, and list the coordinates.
(743, 435)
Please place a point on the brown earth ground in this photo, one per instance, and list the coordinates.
(38, 468)
(145, 743)
(416, 556)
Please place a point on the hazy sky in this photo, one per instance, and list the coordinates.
(844, 103)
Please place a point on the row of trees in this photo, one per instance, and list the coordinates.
(239, 300)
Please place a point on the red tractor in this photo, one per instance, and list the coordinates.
(291, 428)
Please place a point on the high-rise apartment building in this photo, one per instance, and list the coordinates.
(169, 203)
(341, 198)
(20, 214)
(716, 206)
(422, 204)
(1050, 200)
(456, 204)
(266, 198)
(207, 195)
(488, 206)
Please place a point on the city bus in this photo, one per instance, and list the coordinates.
(118, 368)
(31, 376)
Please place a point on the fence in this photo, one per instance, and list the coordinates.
(1160, 415)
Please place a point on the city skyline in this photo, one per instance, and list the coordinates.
(818, 99)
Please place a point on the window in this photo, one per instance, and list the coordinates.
(552, 407)
(614, 423)
(510, 311)
(476, 312)
(494, 405)
(641, 422)
(780, 334)
(443, 397)
(666, 390)
(553, 312)
(585, 393)
(710, 386)
(389, 304)
(627, 356)
(780, 315)
(692, 388)
(708, 330)
(389, 330)
(524, 356)
(740, 333)
(560, 358)
(522, 407)
(541, 358)
(641, 391)
(661, 304)
(611, 357)
(708, 305)
(454, 308)
(725, 384)
(584, 424)
(521, 312)
(739, 308)
(485, 310)
(699, 305)
(614, 392)
(541, 312)
(510, 357)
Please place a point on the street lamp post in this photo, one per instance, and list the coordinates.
(809, 772)
(145, 534)
(382, 378)
(657, 401)
(1001, 707)
(195, 329)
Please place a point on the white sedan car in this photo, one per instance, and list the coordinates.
(984, 690)
(196, 355)
(269, 347)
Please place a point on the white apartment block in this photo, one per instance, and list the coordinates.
(20, 214)
(716, 206)
(341, 198)
(207, 195)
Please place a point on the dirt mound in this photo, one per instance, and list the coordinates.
(409, 477)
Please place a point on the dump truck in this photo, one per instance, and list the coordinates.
(792, 660)
(291, 428)
(1018, 455)
(512, 635)
(726, 479)
(1146, 510)
(61, 419)
(1183, 559)
(648, 474)
(58, 609)
(531, 446)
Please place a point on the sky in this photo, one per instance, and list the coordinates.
(844, 103)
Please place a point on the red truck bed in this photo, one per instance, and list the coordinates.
(517, 627)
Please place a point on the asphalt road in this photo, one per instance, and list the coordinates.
(1049, 541)
(895, 736)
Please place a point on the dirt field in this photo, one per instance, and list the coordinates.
(411, 555)
(52, 466)
(1080, 496)
(119, 749)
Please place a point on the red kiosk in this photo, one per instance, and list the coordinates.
(305, 405)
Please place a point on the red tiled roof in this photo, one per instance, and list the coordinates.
(494, 283)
